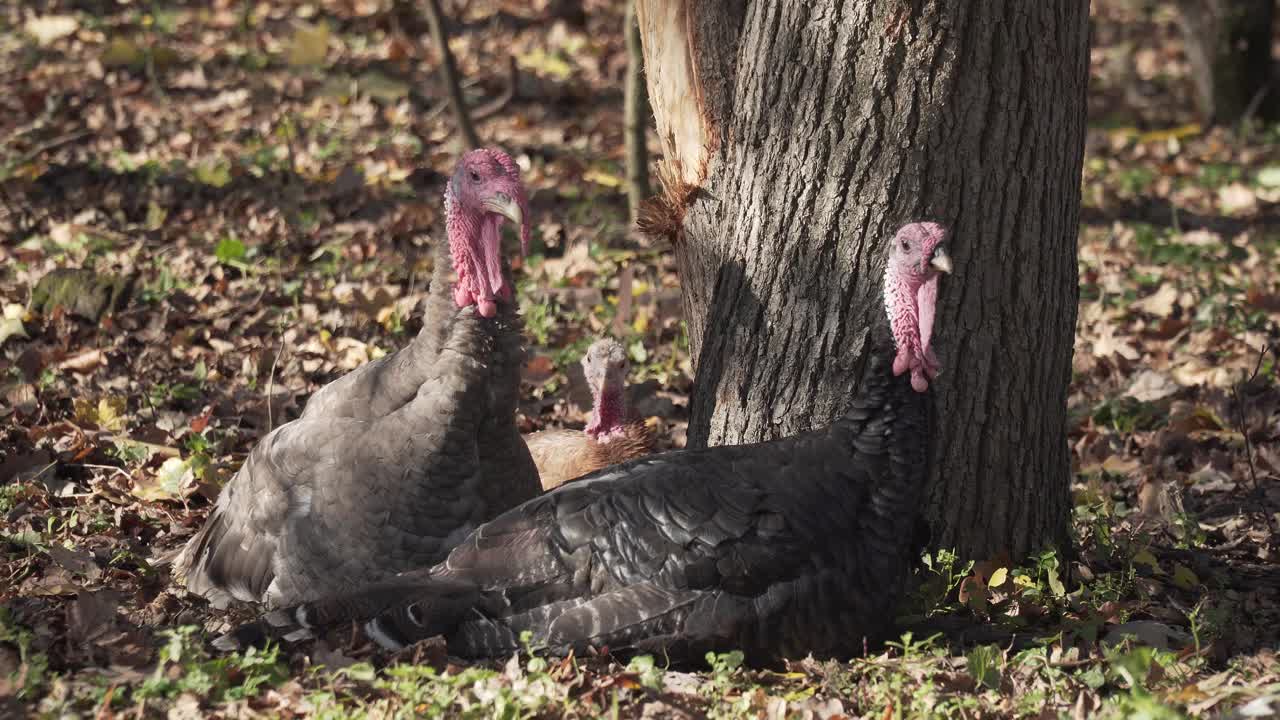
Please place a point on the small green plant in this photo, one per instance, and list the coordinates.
(647, 671)
(1048, 570)
(198, 446)
(232, 252)
(984, 663)
(1188, 531)
(161, 286)
(540, 320)
(942, 576)
(162, 393)
(185, 667)
(47, 378)
(1134, 667)
(726, 674)
(1206, 622)
(1135, 180)
(724, 667)
(911, 649)
(1215, 175)
(128, 452)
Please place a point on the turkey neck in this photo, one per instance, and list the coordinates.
(609, 412)
(442, 311)
(505, 464)
(889, 419)
(483, 276)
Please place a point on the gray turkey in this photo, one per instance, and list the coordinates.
(393, 464)
(780, 549)
(611, 437)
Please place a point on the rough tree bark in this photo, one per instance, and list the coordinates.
(1228, 45)
(797, 137)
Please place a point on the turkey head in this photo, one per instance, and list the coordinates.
(485, 190)
(916, 259)
(605, 367)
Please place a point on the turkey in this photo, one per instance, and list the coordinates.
(780, 549)
(612, 436)
(393, 464)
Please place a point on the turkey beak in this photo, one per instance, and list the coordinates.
(940, 260)
(502, 204)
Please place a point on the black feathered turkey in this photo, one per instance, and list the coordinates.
(393, 464)
(779, 549)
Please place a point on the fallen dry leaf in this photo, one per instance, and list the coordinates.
(83, 362)
(11, 322)
(173, 481)
(1149, 386)
(1160, 303)
(1237, 198)
(1108, 344)
(49, 28)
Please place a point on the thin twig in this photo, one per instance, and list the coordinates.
(294, 189)
(635, 110)
(53, 144)
(496, 105)
(449, 73)
(1241, 427)
(1254, 103)
(113, 468)
(162, 450)
(622, 317)
(271, 424)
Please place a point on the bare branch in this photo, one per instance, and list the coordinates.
(1241, 426)
(635, 110)
(449, 74)
(495, 106)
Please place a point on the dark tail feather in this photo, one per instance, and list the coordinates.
(396, 613)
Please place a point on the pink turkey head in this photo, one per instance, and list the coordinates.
(485, 190)
(916, 260)
(605, 367)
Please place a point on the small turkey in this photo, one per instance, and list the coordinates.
(784, 548)
(391, 465)
(612, 436)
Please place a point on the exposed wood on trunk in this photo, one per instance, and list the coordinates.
(673, 88)
(635, 116)
(824, 125)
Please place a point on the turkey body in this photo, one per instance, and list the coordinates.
(563, 455)
(409, 457)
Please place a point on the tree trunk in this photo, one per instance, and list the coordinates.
(796, 138)
(1229, 48)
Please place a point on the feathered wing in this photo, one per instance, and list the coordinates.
(233, 556)
(685, 552)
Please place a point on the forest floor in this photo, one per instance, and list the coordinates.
(253, 189)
